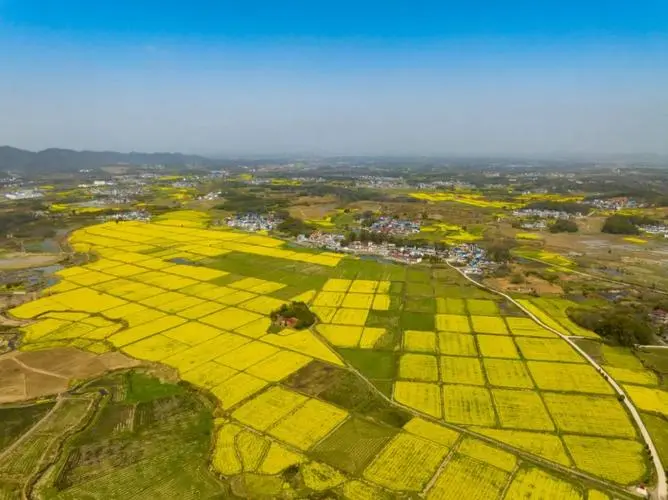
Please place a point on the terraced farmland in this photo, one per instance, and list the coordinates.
(409, 381)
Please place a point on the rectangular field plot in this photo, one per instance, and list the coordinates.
(309, 424)
(262, 304)
(521, 410)
(491, 455)
(526, 327)
(429, 430)
(237, 388)
(535, 483)
(644, 377)
(460, 370)
(192, 333)
(618, 460)
(458, 344)
(268, 408)
(449, 305)
(421, 367)
(482, 307)
(358, 300)
(381, 302)
(489, 324)
(507, 373)
(353, 445)
(468, 405)
(496, 346)
(278, 366)
(336, 285)
(453, 323)
(548, 350)
(406, 463)
(329, 299)
(648, 399)
(247, 355)
(341, 335)
(419, 341)
(464, 477)
(568, 377)
(595, 415)
(542, 444)
(421, 396)
(350, 317)
(230, 318)
(363, 286)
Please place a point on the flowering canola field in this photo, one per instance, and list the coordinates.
(459, 364)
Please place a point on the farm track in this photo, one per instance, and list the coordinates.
(661, 492)
(529, 457)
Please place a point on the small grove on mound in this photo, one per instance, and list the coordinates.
(294, 315)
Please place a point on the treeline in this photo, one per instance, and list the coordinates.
(626, 224)
(236, 201)
(623, 324)
(559, 206)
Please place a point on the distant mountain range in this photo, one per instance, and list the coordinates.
(64, 160)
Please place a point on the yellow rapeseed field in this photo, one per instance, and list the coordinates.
(341, 336)
(479, 450)
(406, 463)
(453, 323)
(308, 424)
(468, 405)
(265, 410)
(419, 341)
(424, 397)
(535, 483)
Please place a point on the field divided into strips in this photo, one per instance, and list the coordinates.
(198, 300)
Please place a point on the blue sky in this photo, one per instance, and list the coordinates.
(393, 77)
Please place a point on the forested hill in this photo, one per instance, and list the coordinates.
(49, 160)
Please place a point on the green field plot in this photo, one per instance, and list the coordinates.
(419, 341)
(453, 323)
(536, 483)
(424, 397)
(468, 405)
(420, 304)
(507, 373)
(521, 410)
(495, 346)
(464, 477)
(421, 367)
(372, 364)
(459, 344)
(450, 305)
(461, 370)
(621, 357)
(18, 419)
(406, 463)
(548, 350)
(568, 377)
(545, 445)
(353, 445)
(594, 415)
(418, 290)
(159, 445)
(489, 324)
(658, 429)
(414, 275)
(482, 307)
(417, 321)
(618, 460)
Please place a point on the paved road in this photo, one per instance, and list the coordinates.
(661, 492)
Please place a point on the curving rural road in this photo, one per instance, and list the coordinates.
(661, 492)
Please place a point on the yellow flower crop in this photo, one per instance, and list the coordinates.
(422, 396)
(461, 370)
(419, 341)
(341, 336)
(453, 323)
(468, 405)
(420, 367)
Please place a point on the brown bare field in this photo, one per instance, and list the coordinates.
(27, 260)
(34, 374)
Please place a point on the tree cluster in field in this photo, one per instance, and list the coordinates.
(236, 201)
(559, 206)
(563, 226)
(298, 312)
(626, 224)
(498, 250)
(293, 226)
(622, 324)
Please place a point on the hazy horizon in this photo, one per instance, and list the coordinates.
(555, 79)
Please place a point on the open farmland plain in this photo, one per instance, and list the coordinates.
(411, 382)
